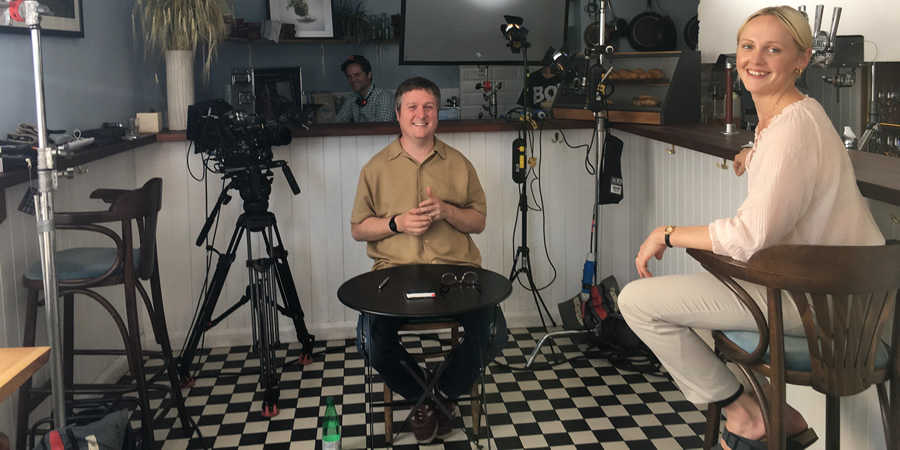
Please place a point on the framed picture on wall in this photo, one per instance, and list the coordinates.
(67, 20)
(311, 18)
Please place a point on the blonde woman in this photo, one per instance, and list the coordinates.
(801, 190)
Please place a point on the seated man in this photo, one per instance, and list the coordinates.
(367, 103)
(417, 202)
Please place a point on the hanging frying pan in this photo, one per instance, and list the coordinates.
(692, 33)
(651, 32)
(614, 30)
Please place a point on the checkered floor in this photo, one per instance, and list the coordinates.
(576, 403)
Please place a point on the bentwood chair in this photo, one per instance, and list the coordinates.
(846, 298)
(80, 271)
(427, 353)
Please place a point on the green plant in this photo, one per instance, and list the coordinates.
(182, 25)
(301, 8)
(353, 21)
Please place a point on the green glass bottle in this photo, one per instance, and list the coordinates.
(331, 427)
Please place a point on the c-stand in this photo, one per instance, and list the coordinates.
(269, 276)
(520, 175)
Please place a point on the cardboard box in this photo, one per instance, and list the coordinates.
(326, 113)
(149, 123)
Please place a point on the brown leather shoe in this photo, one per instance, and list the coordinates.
(445, 422)
(425, 423)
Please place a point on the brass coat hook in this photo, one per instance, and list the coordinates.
(894, 218)
(723, 165)
(671, 150)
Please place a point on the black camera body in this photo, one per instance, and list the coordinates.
(234, 138)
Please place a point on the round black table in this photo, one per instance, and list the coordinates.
(369, 293)
(362, 292)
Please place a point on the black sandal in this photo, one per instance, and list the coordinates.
(798, 441)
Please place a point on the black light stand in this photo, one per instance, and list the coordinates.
(269, 278)
(516, 34)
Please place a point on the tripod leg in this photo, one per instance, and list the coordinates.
(263, 297)
(204, 317)
(291, 301)
(538, 300)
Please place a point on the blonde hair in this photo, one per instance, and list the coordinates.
(796, 23)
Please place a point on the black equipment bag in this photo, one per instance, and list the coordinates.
(611, 185)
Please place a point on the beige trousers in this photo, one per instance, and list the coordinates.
(663, 311)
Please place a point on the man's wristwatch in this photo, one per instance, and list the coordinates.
(393, 225)
(669, 230)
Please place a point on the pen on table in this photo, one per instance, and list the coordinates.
(383, 283)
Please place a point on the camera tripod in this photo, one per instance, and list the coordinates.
(269, 277)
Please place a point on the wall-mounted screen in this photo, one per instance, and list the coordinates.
(468, 31)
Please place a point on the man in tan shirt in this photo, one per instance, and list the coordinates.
(417, 202)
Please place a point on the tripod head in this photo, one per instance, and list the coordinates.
(254, 184)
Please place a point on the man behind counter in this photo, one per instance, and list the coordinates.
(368, 103)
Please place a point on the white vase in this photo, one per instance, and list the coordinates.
(179, 86)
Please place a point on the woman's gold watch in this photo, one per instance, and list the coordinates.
(669, 230)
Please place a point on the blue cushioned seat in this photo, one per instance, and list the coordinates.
(796, 350)
(82, 263)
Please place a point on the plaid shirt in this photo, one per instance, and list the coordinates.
(379, 108)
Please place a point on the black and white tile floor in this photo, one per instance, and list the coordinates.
(581, 403)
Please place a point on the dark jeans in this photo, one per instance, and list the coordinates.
(463, 367)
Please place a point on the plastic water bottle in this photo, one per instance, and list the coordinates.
(331, 427)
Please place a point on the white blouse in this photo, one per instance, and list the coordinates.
(801, 190)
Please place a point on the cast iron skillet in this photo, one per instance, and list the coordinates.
(692, 32)
(651, 32)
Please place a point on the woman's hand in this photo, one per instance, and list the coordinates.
(654, 245)
(740, 162)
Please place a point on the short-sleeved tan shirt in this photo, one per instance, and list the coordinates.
(392, 183)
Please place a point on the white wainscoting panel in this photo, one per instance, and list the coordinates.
(661, 188)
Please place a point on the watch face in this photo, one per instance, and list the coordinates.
(670, 229)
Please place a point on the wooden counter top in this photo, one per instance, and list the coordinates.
(704, 138)
(82, 156)
(17, 365)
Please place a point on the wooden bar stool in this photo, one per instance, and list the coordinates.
(846, 297)
(418, 326)
(80, 271)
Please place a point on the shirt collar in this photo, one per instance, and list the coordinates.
(395, 149)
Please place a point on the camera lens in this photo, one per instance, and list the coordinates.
(278, 136)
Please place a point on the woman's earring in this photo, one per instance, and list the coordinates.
(798, 71)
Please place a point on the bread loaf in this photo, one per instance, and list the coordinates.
(645, 100)
(656, 74)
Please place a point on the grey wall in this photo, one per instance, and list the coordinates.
(105, 77)
(87, 81)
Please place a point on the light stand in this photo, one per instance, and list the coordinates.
(516, 34)
(596, 76)
(30, 11)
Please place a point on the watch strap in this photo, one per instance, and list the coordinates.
(668, 231)
(393, 225)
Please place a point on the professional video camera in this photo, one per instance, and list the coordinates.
(232, 137)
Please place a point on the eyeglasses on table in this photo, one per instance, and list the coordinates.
(468, 279)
